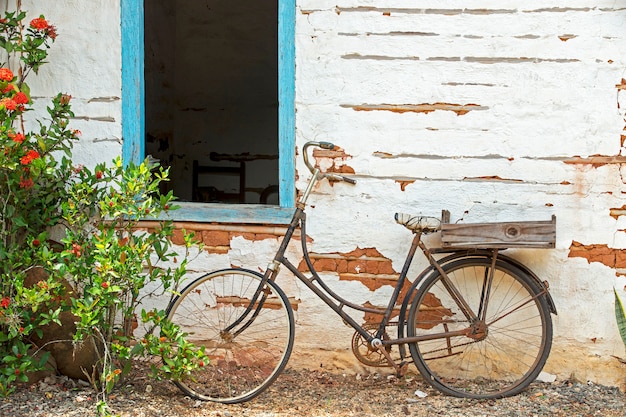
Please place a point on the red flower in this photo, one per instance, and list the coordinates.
(65, 99)
(8, 89)
(20, 98)
(29, 157)
(8, 104)
(52, 32)
(98, 174)
(76, 249)
(6, 74)
(17, 372)
(36, 242)
(19, 138)
(105, 285)
(5, 302)
(39, 23)
(26, 182)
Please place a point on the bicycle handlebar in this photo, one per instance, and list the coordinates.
(330, 175)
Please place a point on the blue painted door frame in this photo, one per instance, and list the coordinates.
(134, 130)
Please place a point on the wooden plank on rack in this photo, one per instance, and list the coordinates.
(528, 234)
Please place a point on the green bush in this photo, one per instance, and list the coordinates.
(100, 269)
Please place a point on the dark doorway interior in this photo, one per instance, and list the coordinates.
(211, 71)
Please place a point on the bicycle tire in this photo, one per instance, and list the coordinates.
(240, 365)
(508, 355)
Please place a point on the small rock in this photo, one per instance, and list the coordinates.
(546, 377)
(421, 394)
(148, 389)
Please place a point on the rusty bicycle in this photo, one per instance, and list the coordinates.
(476, 323)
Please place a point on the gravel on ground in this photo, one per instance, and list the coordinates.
(314, 393)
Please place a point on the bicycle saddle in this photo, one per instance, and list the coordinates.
(418, 224)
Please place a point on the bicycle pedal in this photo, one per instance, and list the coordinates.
(401, 369)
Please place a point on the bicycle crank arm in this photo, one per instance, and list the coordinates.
(400, 368)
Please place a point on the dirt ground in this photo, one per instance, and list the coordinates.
(315, 392)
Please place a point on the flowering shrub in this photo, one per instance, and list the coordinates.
(101, 269)
(109, 263)
(32, 185)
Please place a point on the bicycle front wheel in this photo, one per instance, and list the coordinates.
(247, 332)
(496, 355)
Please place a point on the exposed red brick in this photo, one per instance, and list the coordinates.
(594, 253)
(357, 253)
(216, 238)
(373, 253)
(346, 169)
(294, 303)
(263, 236)
(617, 211)
(620, 259)
(302, 266)
(385, 267)
(245, 235)
(596, 160)
(403, 184)
(356, 266)
(342, 265)
(373, 318)
(177, 237)
(338, 157)
(325, 264)
(459, 109)
(371, 267)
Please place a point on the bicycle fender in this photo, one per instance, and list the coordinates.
(534, 276)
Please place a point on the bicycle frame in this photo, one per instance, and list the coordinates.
(338, 303)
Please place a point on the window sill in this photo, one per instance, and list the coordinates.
(231, 213)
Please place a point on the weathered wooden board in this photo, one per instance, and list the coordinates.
(527, 234)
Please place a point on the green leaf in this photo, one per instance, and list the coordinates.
(26, 90)
(620, 315)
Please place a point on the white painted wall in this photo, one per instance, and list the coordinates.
(544, 76)
(84, 62)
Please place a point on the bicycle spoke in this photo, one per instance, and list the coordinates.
(499, 355)
(247, 357)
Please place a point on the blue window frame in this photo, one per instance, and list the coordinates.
(133, 118)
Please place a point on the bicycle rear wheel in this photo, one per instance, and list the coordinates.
(248, 343)
(495, 357)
